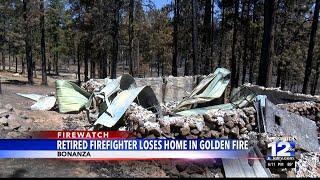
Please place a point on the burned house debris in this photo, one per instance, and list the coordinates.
(165, 108)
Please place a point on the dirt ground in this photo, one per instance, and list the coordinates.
(52, 120)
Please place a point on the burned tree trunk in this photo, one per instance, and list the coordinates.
(254, 44)
(212, 37)
(23, 67)
(104, 64)
(115, 37)
(234, 82)
(3, 61)
(314, 27)
(186, 66)
(3, 35)
(175, 38)
(221, 38)
(86, 61)
(283, 80)
(9, 51)
(279, 74)
(131, 6)
(316, 78)
(93, 69)
(28, 44)
(16, 64)
(78, 57)
(207, 37)
(43, 47)
(195, 37)
(56, 62)
(244, 57)
(265, 67)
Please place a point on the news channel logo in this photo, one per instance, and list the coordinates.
(281, 149)
(281, 154)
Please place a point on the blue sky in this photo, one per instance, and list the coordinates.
(160, 3)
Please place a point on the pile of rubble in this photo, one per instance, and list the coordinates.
(201, 168)
(310, 110)
(91, 85)
(121, 104)
(308, 165)
(168, 107)
(13, 121)
(214, 124)
(278, 95)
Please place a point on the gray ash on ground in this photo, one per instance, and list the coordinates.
(76, 122)
(308, 165)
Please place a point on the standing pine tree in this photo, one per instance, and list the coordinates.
(316, 78)
(207, 37)
(265, 67)
(175, 38)
(245, 47)
(28, 43)
(43, 47)
(311, 47)
(115, 38)
(233, 64)
(222, 33)
(131, 9)
(195, 37)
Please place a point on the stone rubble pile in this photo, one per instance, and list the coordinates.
(282, 91)
(310, 110)
(168, 107)
(13, 121)
(308, 165)
(91, 86)
(213, 124)
(231, 123)
(201, 168)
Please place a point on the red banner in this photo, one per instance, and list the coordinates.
(81, 134)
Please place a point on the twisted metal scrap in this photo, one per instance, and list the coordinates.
(107, 105)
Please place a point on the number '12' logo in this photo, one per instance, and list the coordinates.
(282, 148)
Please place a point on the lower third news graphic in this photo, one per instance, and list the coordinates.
(281, 154)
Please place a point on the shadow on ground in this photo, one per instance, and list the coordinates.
(18, 173)
(14, 82)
